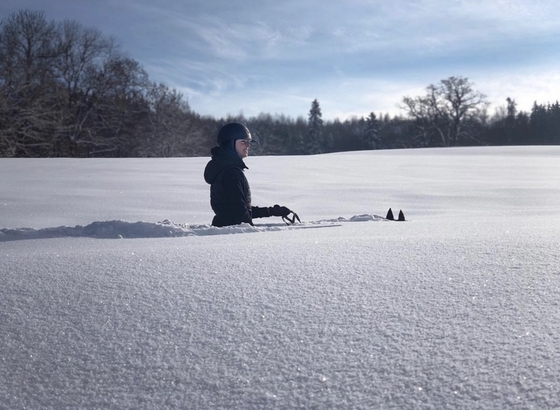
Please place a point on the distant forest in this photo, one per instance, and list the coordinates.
(69, 91)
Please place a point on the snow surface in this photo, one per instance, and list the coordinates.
(459, 307)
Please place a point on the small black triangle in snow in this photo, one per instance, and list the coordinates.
(401, 216)
(390, 216)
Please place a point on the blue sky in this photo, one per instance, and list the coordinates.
(354, 56)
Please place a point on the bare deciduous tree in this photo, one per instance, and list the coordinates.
(446, 111)
(28, 87)
(171, 130)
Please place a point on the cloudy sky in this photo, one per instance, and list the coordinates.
(354, 56)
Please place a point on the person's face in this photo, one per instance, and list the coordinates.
(242, 147)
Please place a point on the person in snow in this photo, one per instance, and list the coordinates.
(230, 195)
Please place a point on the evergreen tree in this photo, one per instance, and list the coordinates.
(314, 141)
(554, 123)
(538, 124)
(371, 132)
(510, 120)
(297, 140)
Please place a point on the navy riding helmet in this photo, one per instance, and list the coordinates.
(233, 131)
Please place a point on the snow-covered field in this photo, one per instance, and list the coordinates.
(115, 293)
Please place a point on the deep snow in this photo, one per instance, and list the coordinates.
(458, 307)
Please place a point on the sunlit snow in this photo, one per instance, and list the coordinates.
(117, 293)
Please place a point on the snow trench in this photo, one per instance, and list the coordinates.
(119, 229)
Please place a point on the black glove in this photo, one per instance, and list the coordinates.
(284, 212)
(278, 210)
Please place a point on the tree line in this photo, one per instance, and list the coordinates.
(69, 91)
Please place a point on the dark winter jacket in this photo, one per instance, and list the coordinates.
(230, 195)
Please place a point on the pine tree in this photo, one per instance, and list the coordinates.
(314, 141)
(371, 132)
(538, 124)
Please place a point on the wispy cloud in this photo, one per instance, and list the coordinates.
(355, 56)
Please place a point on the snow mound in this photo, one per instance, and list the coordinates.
(119, 229)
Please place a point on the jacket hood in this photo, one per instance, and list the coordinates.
(221, 159)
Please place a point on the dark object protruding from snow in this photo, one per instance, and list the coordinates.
(292, 220)
(390, 216)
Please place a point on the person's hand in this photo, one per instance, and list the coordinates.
(284, 212)
(278, 210)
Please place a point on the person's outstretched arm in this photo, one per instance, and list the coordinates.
(276, 210)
